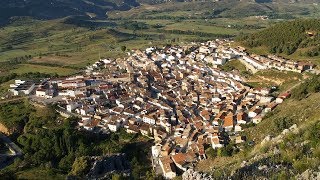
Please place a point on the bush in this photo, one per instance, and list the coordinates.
(281, 123)
(134, 25)
(212, 153)
(300, 166)
(282, 175)
(226, 151)
(80, 166)
(264, 149)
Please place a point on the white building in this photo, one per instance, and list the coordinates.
(41, 92)
(156, 150)
(72, 106)
(113, 126)
(254, 63)
(215, 142)
(148, 119)
(22, 87)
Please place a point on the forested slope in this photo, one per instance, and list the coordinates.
(288, 37)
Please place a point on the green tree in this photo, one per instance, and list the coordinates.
(80, 166)
(123, 48)
(116, 176)
(136, 168)
(66, 162)
(150, 175)
(212, 153)
(226, 151)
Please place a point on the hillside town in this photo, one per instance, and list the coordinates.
(176, 95)
(257, 62)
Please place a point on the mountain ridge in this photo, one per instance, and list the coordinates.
(61, 8)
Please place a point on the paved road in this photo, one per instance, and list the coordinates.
(248, 66)
(12, 145)
(9, 158)
(156, 165)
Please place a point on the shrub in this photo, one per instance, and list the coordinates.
(300, 166)
(80, 166)
(212, 153)
(282, 123)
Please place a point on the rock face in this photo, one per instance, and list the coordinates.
(266, 139)
(4, 129)
(194, 175)
(309, 175)
(102, 167)
(294, 129)
(259, 168)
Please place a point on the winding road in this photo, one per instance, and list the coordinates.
(9, 158)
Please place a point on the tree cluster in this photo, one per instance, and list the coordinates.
(287, 37)
(135, 25)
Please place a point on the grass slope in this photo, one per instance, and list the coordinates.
(40, 173)
(26, 68)
(268, 78)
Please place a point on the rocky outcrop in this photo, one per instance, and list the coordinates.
(102, 167)
(278, 139)
(309, 175)
(4, 129)
(259, 168)
(194, 175)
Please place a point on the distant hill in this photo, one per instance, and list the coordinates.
(258, 1)
(273, 9)
(41, 9)
(290, 37)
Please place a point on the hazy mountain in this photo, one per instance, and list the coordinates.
(42, 9)
(258, 1)
(50, 9)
